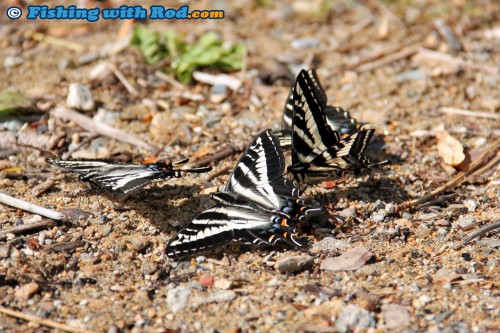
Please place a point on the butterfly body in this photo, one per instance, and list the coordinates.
(258, 205)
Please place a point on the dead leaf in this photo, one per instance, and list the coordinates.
(450, 149)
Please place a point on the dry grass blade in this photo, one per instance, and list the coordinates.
(119, 75)
(170, 80)
(42, 321)
(479, 233)
(90, 125)
(32, 208)
(488, 157)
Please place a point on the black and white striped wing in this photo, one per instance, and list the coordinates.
(340, 120)
(222, 224)
(319, 92)
(345, 155)
(310, 133)
(258, 175)
(117, 177)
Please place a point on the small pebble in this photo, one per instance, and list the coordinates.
(80, 97)
(464, 221)
(4, 250)
(390, 208)
(12, 61)
(351, 260)
(207, 281)
(395, 316)
(427, 217)
(294, 264)
(445, 275)
(442, 223)
(138, 244)
(304, 43)
(148, 267)
(348, 212)
(378, 217)
(223, 284)
(353, 317)
(200, 259)
(471, 205)
(328, 244)
(25, 292)
(178, 298)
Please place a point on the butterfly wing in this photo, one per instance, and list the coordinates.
(261, 164)
(319, 92)
(310, 133)
(223, 223)
(340, 120)
(345, 155)
(117, 177)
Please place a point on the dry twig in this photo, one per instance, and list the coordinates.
(42, 321)
(221, 154)
(43, 187)
(469, 113)
(38, 36)
(487, 228)
(402, 54)
(218, 173)
(90, 125)
(32, 208)
(119, 75)
(26, 228)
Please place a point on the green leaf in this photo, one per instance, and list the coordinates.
(208, 52)
(11, 101)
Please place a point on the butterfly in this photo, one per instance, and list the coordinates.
(124, 178)
(319, 151)
(337, 119)
(258, 205)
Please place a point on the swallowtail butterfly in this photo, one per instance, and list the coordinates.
(258, 205)
(124, 178)
(337, 118)
(318, 151)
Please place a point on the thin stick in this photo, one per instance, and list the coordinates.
(221, 154)
(42, 321)
(57, 41)
(87, 140)
(458, 179)
(26, 228)
(218, 173)
(170, 80)
(469, 113)
(479, 233)
(90, 125)
(404, 53)
(32, 208)
(43, 187)
(119, 75)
